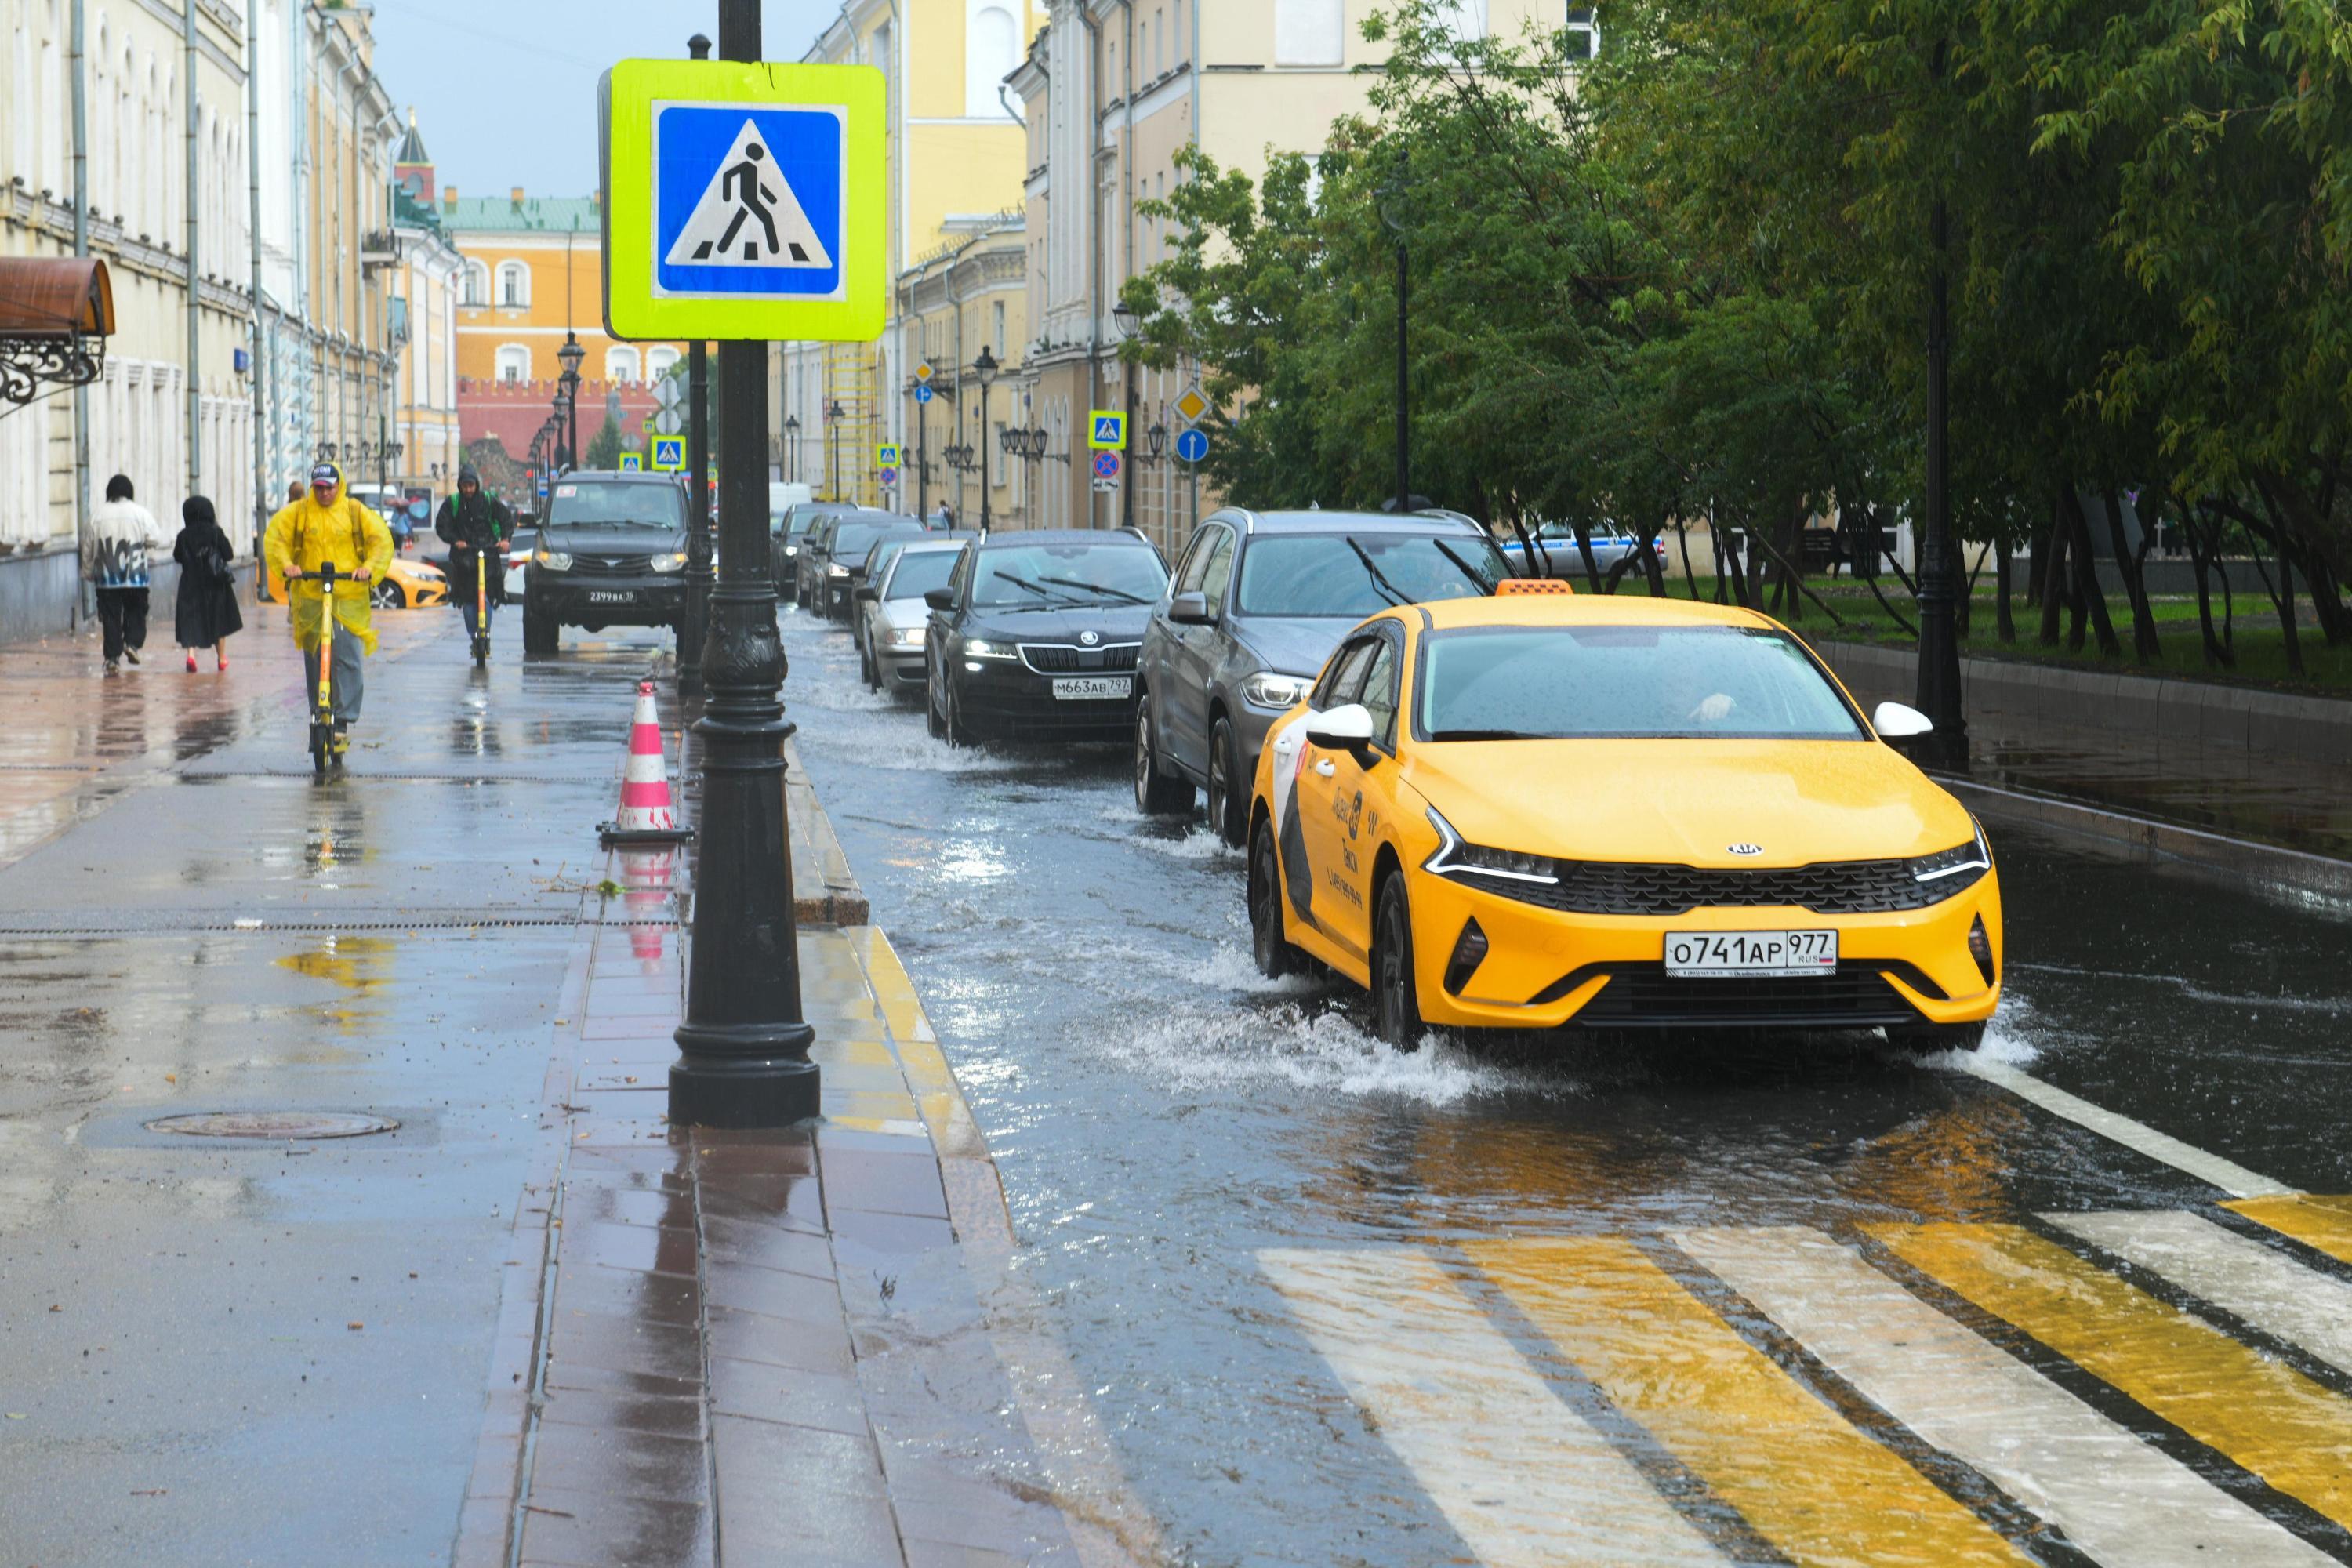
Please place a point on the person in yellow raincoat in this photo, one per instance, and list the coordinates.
(328, 525)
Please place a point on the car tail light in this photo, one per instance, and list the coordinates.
(1469, 953)
(1980, 948)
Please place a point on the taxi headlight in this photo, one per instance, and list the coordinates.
(1947, 871)
(669, 563)
(1460, 859)
(980, 648)
(553, 560)
(1268, 689)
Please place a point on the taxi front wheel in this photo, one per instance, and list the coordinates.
(1275, 955)
(1396, 998)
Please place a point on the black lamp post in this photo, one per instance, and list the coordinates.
(986, 368)
(1157, 439)
(792, 444)
(832, 423)
(569, 356)
(744, 1049)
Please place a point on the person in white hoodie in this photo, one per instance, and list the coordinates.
(114, 555)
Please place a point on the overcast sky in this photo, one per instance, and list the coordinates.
(506, 94)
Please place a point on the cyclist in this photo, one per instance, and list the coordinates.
(471, 520)
(327, 525)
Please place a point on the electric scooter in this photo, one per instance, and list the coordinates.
(482, 607)
(323, 754)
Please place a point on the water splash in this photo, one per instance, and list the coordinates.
(1310, 1046)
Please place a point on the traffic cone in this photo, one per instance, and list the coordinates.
(645, 900)
(648, 814)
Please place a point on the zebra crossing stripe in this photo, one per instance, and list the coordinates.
(1522, 1479)
(1801, 1475)
(2231, 1177)
(2264, 1416)
(2120, 1500)
(2322, 1224)
(2275, 1294)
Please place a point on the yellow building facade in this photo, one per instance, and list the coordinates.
(534, 272)
(956, 160)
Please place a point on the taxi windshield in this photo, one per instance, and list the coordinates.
(1513, 683)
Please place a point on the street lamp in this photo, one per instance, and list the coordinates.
(1157, 439)
(985, 367)
(569, 356)
(833, 419)
(793, 443)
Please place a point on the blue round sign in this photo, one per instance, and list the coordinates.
(1193, 445)
(1106, 465)
(923, 393)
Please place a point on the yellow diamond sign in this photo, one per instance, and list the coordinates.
(1192, 405)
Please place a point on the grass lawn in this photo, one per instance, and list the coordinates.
(2260, 646)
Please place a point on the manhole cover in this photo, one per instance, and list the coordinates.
(286, 1124)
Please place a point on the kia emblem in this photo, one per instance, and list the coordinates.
(1090, 639)
(1746, 848)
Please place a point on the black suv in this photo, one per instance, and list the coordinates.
(1035, 635)
(789, 533)
(1259, 602)
(611, 552)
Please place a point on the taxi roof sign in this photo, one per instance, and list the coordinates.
(745, 201)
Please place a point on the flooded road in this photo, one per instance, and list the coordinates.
(1339, 1304)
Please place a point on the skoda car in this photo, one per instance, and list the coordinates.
(1531, 811)
(612, 552)
(1035, 632)
(1259, 602)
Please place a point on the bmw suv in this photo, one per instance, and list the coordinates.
(611, 552)
(1258, 603)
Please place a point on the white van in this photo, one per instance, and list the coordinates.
(782, 498)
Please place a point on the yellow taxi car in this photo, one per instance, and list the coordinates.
(410, 585)
(1615, 812)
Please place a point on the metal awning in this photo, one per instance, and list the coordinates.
(55, 314)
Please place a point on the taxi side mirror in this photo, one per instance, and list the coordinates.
(1895, 721)
(1347, 728)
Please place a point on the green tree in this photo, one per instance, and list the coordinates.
(604, 451)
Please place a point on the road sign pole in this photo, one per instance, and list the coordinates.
(922, 456)
(696, 627)
(744, 1048)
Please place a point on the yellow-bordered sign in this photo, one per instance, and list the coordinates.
(744, 201)
(886, 454)
(1107, 430)
(670, 454)
(633, 462)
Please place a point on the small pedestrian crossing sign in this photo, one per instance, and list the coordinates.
(746, 201)
(886, 454)
(633, 462)
(670, 454)
(1108, 431)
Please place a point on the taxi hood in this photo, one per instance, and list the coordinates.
(1687, 801)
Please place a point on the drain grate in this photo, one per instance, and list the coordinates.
(276, 1125)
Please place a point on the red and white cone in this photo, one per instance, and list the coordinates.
(647, 814)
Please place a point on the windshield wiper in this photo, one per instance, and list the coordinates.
(1467, 570)
(1486, 735)
(1098, 588)
(1379, 581)
(1042, 593)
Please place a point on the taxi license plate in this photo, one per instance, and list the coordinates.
(610, 596)
(1701, 954)
(1080, 687)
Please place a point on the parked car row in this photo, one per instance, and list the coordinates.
(1485, 799)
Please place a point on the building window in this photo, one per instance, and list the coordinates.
(514, 283)
(991, 50)
(514, 361)
(476, 284)
(1584, 33)
(996, 448)
(621, 363)
(658, 359)
(1465, 19)
(996, 328)
(1309, 32)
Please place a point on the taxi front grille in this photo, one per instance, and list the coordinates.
(1641, 887)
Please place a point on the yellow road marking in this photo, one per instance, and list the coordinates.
(1808, 1481)
(2267, 1418)
(2323, 1225)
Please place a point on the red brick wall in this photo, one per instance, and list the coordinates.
(514, 410)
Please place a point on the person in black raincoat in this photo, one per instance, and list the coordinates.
(471, 520)
(205, 615)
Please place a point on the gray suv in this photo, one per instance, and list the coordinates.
(1256, 605)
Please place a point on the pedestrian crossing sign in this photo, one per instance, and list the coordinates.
(670, 454)
(1109, 431)
(886, 454)
(744, 201)
(633, 462)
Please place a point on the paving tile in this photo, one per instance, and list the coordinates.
(569, 1457)
(831, 1402)
(783, 1157)
(603, 1132)
(797, 1493)
(945, 1554)
(626, 1345)
(603, 1031)
(624, 1205)
(627, 1246)
(863, 1234)
(590, 1529)
(666, 1416)
(884, 1183)
(634, 1293)
(832, 1138)
(581, 1377)
(632, 1166)
(781, 1342)
(792, 1203)
(772, 1292)
(935, 1503)
(767, 1247)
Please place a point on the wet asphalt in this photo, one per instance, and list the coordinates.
(1161, 1115)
